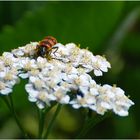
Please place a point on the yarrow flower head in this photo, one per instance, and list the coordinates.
(64, 78)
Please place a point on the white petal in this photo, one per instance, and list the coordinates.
(106, 105)
(123, 103)
(24, 75)
(6, 91)
(65, 100)
(2, 74)
(83, 89)
(11, 83)
(98, 73)
(76, 106)
(41, 105)
(119, 91)
(93, 107)
(32, 99)
(74, 71)
(33, 79)
(110, 94)
(32, 92)
(64, 76)
(91, 100)
(122, 113)
(93, 91)
(28, 87)
(104, 68)
(52, 97)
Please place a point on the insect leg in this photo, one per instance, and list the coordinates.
(48, 53)
(56, 48)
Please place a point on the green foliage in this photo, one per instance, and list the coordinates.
(127, 128)
(84, 23)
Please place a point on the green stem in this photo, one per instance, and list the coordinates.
(52, 120)
(90, 123)
(6, 102)
(41, 114)
(49, 108)
(12, 109)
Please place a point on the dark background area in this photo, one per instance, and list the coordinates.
(110, 28)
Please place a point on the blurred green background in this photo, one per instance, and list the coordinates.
(110, 28)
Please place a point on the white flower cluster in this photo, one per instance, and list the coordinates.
(64, 78)
(8, 73)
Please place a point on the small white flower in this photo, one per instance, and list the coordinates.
(100, 65)
(28, 50)
(85, 101)
(40, 104)
(28, 64)
(98, 72)
(4, 89)
(61, 96)
(24, 75)
(41, 62)
(18, 52)
(8, 74)
(65, 78)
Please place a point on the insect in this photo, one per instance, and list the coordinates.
(45, 47)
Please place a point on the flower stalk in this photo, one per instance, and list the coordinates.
(41, 114)
(9, 102)
(90, 123)
(50, 125)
